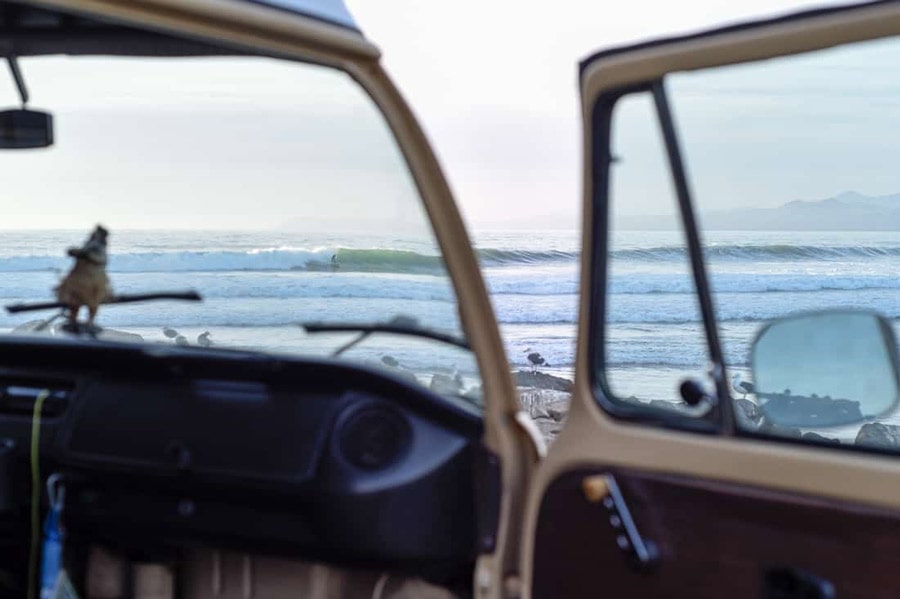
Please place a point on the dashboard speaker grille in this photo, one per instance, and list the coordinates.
(374, 437)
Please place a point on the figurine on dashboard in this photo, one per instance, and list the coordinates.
(87, 283)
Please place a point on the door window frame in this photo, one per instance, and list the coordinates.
(720, 419)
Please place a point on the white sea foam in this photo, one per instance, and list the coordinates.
(328, 259)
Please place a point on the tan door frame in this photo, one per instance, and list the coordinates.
(592, 437)
(507, 433)
(506, 430)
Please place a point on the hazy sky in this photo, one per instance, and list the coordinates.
(204, 143)
(760, 135)
(495, 85)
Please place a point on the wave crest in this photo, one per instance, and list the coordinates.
(286, 258)
(760, 253)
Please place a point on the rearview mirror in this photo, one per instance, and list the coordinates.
(22, 128)
(825, 369)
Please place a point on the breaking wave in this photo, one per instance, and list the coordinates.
(286, 258)
(761, 253)
(412, 262)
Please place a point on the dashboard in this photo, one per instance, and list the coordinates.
(163, 445)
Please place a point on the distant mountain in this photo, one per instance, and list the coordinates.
(848, 211)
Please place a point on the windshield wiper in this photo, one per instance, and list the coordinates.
(400, 325)
(189, 296)
(91, 330)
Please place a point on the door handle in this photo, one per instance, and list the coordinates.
(603, 489)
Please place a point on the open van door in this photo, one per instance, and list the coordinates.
(672, 477)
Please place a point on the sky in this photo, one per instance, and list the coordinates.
(494, 85)
(762, 134)
(205, 143)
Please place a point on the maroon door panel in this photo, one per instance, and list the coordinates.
(714, 540)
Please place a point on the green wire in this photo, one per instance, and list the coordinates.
(35, 490)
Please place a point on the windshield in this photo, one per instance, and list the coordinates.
(275, 189)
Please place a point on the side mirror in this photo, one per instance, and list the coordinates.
(825, 369)
(22, 128)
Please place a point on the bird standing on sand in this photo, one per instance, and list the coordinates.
(536, 360)
(181, 340)
(87, 283)
(457, 377)
(170, 333)
(203, 339)
(740, 386)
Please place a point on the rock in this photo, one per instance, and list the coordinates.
(556, 415)
(662, 404)
(548, 428)
(441, 383)
(747, 410)
(875, 434)
(474, 395)
(539, 412)
(795, 410)
(400, 372)
(777, 430)
(548, 408)
(817, 438)
(540, 380)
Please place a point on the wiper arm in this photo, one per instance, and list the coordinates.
(397, 326)
(190, 296)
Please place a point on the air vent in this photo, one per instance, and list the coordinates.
(19, 397)
(374, 437)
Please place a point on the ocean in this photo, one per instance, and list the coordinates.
(259, 285)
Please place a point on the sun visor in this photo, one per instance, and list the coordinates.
(30, 31)
(27, 30)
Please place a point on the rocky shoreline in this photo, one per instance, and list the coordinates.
(870, 434)
(546, 399)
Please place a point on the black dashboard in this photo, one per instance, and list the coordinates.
(162, 445)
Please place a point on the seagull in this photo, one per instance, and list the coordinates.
(457, 377)
(740, 386)
(536, 360)
(181, 340)
(203, 340)
(170, 333)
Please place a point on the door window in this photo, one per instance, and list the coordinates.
(793, 172)
(791, 168)
(654, 339)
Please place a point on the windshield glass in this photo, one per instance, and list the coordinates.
(275, 189)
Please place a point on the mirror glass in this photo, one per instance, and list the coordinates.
(21, 129)
(823, 369)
